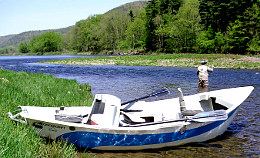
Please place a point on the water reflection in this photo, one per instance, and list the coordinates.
(203, 89)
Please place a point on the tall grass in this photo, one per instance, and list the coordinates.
(26, 89)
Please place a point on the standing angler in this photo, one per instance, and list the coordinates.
(202, 72)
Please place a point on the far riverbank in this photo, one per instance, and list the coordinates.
(170, 60)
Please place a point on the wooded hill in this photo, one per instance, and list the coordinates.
(194, 26)
(15, 40)
(5, 38)
(10, 41)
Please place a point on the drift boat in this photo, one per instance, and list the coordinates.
(135, 125)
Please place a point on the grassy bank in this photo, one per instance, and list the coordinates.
(170, 60)
(26, 89)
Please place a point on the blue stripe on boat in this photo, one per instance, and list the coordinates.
(91, 139)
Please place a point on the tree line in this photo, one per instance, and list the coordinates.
(179, 26)
(8, 50)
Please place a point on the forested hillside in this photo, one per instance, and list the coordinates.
(5, 38)
(170, 26)
(195, 26)
(14, 40)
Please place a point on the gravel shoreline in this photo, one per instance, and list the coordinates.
(243, 62)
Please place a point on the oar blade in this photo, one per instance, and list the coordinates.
(210, 119)
(210, 116)
(161, 92)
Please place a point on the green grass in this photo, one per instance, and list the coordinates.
(168, 60)
(26, 89)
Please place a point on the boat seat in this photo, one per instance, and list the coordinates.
(183, 109)
(181, 100)
(206, 102)
(105, 111)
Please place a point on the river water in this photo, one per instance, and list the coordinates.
(242, 138)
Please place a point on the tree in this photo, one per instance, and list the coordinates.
(131, 14)
(23, 47)
(252, 25)
(151, 12)
(158, 14)
(185, 26)
(136, 30)
(237, 38)
(218, 14)
(48, 42)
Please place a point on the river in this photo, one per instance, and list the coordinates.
(129, 82)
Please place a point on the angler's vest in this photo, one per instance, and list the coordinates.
(203, 72)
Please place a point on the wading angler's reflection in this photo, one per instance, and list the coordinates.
(203, 89)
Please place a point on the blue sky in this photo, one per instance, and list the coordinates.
(17, 16)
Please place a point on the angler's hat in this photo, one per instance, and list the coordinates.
(203, 62)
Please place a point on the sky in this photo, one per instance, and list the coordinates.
(17, 16)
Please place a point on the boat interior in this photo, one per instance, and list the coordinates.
(107, 111)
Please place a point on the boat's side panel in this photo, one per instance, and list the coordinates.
(133, 139)
(110, 141)
(136, 141)
(199, 134)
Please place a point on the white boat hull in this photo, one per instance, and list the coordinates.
(130, 137)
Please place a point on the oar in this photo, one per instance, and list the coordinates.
(157, 93)
(210, 116)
